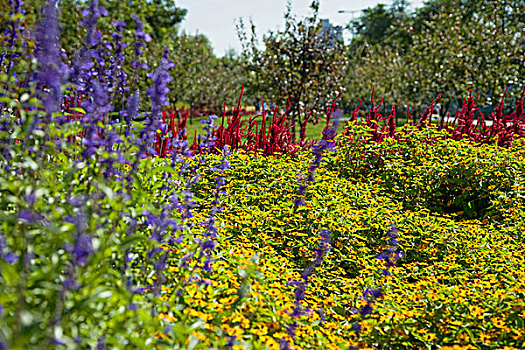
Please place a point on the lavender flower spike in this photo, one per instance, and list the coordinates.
(160, 78)
(391, 255)
(50, 67)
(325, 244)
(326, 143)
(140, 39)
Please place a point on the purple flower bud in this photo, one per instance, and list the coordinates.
(231, 342)
(57, 342)
(100, 343)
(356, 327)
(284, 344)
(11, 258)
(50, 68)
(71, 284)
(29, 216)
(81, 249)
(365, 310)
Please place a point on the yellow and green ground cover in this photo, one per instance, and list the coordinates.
(460, 212)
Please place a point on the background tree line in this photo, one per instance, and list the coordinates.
(444, 47)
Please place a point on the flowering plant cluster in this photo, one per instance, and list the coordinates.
(115, 233)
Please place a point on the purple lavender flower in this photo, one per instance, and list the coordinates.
(326, 143)
(158, 98)
(29, 216)
(100, 343)
(11, 258)
(391, 255)
(117, 61)
(12, 28)
(140, 39)
(231, 342)
(325, 244)
(83, 73)
(91, 16)
(16, 6)
(160, 78)
(57, 342)
(83, 248)
(284, 344)
(50, 68)
(210, 233)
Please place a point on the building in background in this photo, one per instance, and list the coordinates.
(334, 32)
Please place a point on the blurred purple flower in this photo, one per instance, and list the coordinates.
(70, 284)
(365, 310)
(140, 39)
(325, 244)
(51, 71)
(357, 328)
(284, 344)
(326, 143)
(231, 342)
(10, 258)
(211, 232)
(57, 342)
(160, 78)
(91, 15)
(100, 343)
(29, 216)
(81, 248)
(390, 255)
(132, 110)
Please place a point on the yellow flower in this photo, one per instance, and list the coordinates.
(484, 337)
(430, 337)
(498, 322)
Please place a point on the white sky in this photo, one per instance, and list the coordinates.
(216, 19)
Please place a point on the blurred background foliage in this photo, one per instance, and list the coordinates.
(302, 65)
(443, 47)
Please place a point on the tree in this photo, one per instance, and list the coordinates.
(454, 46)
(203, 81)
(469, 45)
(302, 64)
(381, 25)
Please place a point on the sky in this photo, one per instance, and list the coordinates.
(216, 18)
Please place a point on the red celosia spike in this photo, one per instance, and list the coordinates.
(441, 124)
(331, 109)
(195, 139)
(519, 105)
(372, 108)
(302, 132)
(409, 117)
(171, 126)
(355, 111)
(392, 122)
(379, 105)
(288, 107)
(240, 97)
